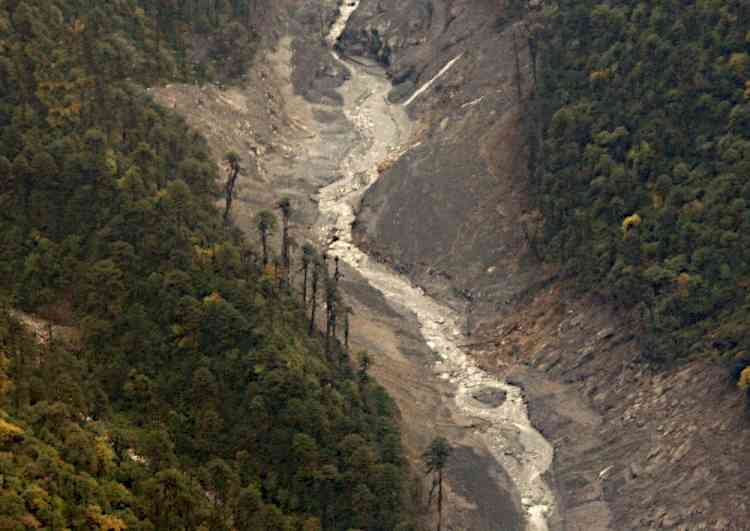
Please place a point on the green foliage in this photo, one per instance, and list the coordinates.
(435, 459)
(191, 396)
(646, 156)
(436, 456)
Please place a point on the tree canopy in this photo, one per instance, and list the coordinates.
(641, 170)
(191, 396)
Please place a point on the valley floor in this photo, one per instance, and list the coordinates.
(324, 154)
(635, 447)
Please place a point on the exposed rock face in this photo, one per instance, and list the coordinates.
(448, 211)
(636, 446)
(490, 397)
(384, 30)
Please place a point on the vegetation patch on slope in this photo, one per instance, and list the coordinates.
(642, 168)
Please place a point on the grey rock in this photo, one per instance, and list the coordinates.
(490, 397)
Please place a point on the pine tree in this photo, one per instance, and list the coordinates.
(435, 458)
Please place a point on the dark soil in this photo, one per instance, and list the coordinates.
(495, 510)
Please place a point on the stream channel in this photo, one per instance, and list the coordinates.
(382, 133)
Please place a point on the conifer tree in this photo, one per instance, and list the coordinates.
(435, 459)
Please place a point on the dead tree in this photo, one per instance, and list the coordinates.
(435, 459)
(233, 160)
(285, 205)
(518, 67)
(316, 270)
(308, 258)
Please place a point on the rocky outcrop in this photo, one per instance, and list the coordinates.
(386, 31)
(636, 446)
(448, 211)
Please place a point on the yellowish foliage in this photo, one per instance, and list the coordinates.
(600, 75)
(63, 99)
(657, 200)
(188, 341)
(104, 454)
(103, 522)
(384, 165)
(184, 337)
(694, 207)
(683, 281)
(311, 524)
(37, 498)
(78, 26)
(111, 161)
(203, 255)
(739, 62)
(269, 272)
(6, 384)
(8, 430)
(30, 522)
(112, 523)
(631, 221)
(744, 381)
(214, 297)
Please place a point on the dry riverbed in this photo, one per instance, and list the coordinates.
(326, 154)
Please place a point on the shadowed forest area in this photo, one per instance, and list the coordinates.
(191, 394)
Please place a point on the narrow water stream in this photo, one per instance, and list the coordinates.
(383, 134)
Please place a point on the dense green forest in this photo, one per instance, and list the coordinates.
(641, 170)
(190, 394)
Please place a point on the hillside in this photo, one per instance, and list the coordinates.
(641, 173)
(576, 189)
(530, 217)
(188, 393)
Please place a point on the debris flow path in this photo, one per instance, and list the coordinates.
(382, 133)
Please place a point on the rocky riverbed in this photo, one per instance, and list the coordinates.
(319, 128)
(636, 447)
(382, 138)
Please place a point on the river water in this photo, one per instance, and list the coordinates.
(383, 134)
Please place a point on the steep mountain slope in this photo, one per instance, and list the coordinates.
(338, 138)
(450, 211)
(642, 172)
(192, 395)
(640, 444)
(637, 446)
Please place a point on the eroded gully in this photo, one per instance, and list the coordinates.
(382, 135)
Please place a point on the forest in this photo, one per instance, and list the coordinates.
(640, 158)
(192, 389)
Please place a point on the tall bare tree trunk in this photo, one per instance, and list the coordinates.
(264, 244)
(229, 191)
(518, 67)
(305, 268)
(346, 331)
(285, 252)
(314, 298)
(440, 500)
